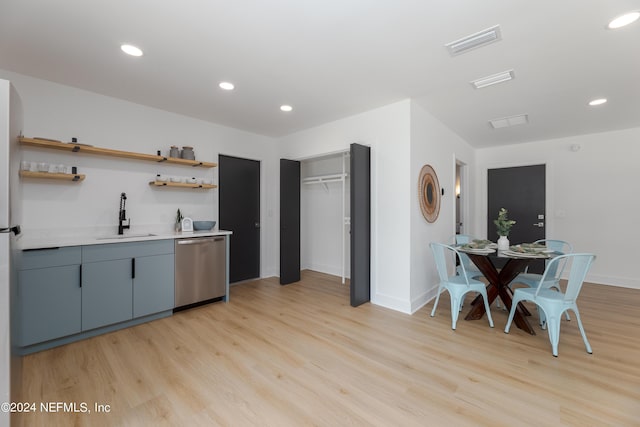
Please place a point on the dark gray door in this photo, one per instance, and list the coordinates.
(520, 190)
(289, 221)
(360, 224)
(239, 211)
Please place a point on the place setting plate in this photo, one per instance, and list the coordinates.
(522, 254)
(480, 247)
(478, 251)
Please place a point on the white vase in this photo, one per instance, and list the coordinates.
(503, 243)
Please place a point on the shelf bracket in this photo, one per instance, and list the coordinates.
(76, 148)
(76, 178)
(164, 159)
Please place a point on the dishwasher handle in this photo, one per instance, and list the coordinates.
(199, 241)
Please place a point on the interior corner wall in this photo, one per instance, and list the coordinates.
(386, 131)
(591, 196)
(60, 112)
(435, 144)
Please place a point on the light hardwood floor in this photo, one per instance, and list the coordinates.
(299, 355)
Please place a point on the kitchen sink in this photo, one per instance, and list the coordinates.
(125, 236)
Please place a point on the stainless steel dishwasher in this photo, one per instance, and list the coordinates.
(200, 269)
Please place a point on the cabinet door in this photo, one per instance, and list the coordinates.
(50, 301)
(106, 293)
(153, 287)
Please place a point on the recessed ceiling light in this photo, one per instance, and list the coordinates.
(598, 101)
(623, 20)
(493, 79)
(131, 50)
(286, 108)
(226, 86)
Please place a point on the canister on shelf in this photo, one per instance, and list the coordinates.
(187, 153)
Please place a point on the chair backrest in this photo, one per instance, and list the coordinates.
(579, 265)
(439, 250)
(462, 239)
(559, 247)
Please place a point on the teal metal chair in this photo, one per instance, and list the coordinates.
(559, 247)
(550, 303)
(457, 285)
(469, 266)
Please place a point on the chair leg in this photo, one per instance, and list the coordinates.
(485, 298)
(512, 312)
(553, 328)
(584, 335)
(455, 305)
(433, 312)
(542, 318)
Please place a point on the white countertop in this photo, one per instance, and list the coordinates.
(40, 240)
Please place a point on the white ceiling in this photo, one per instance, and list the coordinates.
(333, 58)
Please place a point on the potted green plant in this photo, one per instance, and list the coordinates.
(503, 227)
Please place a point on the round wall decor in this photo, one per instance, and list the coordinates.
(429, 193)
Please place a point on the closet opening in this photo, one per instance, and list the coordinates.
(325, 214)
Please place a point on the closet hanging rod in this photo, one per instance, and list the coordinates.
(325, 178)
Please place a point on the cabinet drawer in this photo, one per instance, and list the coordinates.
(111, 251)
(53, 257)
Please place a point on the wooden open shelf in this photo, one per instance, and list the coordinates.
(74, 177)
(182, 185)
(80, 148)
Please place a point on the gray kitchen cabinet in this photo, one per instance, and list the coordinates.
(122, 281)
(49, 294)
(153, 288)
(106, 293)
(66, 294)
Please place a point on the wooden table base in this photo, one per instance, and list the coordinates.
(498, 286)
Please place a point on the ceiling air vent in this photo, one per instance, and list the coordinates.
(493, 79)
(505, 122)
(473, 41)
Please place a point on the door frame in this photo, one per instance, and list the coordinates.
(262, 205)
(462, 202)
(484, 191)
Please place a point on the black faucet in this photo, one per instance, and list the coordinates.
(123, 215)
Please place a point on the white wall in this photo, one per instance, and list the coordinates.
(434, 144)
(592, 196)
(386, 131)
(61, 112)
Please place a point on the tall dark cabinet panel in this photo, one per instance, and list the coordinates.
(360, 224)
(239, 211)
(289, 221)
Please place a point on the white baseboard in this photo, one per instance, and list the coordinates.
(623, 282)
(392, 303)
(323, 268)
(423, 299)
